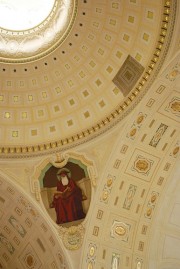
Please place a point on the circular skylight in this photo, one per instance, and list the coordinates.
(19, 15)
(30, 29)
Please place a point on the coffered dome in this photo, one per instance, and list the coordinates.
(83, 78)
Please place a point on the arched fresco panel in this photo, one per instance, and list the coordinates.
(66, 203)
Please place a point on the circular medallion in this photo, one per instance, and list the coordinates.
(120, 230)
(142, 165)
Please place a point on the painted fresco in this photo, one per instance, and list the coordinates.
(66, 192)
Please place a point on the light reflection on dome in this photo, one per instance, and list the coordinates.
(32, 37)
(19, 15)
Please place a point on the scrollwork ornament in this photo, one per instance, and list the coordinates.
(72, 237)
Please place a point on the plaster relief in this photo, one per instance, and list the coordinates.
(158, 135)
(107, 189)
(171, 107)
(142, 165)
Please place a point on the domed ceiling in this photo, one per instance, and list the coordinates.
(83, 80)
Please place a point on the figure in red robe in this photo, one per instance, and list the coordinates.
(67, 200)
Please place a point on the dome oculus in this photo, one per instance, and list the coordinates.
(32, 29)
(19, 15)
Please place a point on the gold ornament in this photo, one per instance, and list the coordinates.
(119, 230)
(176, 106)
(105, 195)
(148, 212)
(175, 151)
(92, 251)
(133, 132)
(153, 198)
(140, 119)
(109, 182)
(173, 74)
(142, 165)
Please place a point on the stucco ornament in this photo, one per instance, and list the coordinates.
(142, 165)
(120, 230)
(72, 237)
(175, 106)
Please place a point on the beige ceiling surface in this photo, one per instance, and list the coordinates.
(26, 240)
(135, 193)
(165, 253)
(69, 94)
(134, 222)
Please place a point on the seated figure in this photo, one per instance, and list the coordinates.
(67, 200)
